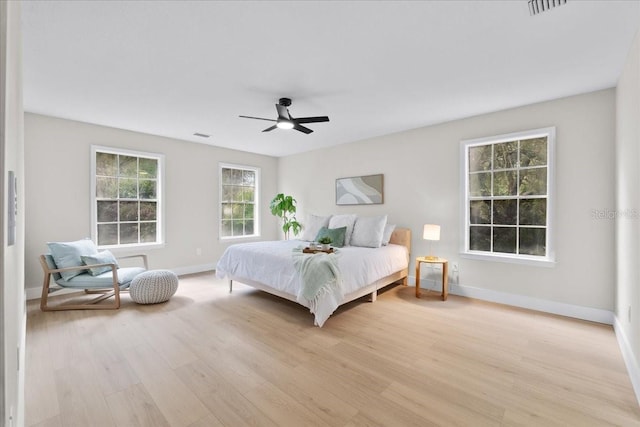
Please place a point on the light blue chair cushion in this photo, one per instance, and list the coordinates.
(104, 257)
(104, 280)
(68, 254)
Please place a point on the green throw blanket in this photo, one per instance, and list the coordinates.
(320, 282)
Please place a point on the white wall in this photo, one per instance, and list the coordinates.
(627, 294)
(11, 257)
(422, 185)
(57, 161)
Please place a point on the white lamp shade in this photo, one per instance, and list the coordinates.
(431, 232)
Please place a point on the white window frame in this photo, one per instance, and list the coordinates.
(159, 243)
(256, 202)
(544, 261)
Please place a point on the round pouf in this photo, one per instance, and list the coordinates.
(153, 286)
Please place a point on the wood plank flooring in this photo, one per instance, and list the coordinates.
(210, 358)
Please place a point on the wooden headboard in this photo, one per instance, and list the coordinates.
(401, 236)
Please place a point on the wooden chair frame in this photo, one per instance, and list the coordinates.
(107, 292)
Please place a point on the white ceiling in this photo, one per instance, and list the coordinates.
(173, 68)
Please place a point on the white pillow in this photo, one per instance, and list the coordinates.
(313, 224)
(348, 220)
(368, 231)
(388, 231)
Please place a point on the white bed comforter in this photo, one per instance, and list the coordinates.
(271, 263)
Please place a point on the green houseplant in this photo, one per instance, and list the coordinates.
(325, 241)
(284, 207)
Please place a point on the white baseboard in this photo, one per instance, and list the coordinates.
(192, 269)
(546, 306)
(628, 356)
(36, 292)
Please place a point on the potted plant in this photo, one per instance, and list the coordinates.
(284, 207)
(325, 242)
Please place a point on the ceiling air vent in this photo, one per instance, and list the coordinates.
(539, 6)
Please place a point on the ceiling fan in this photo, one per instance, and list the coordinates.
(285, 121)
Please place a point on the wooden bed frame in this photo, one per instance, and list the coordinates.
(400, 236)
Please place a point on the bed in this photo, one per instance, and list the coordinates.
(270, 266)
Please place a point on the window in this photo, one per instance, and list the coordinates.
(126, 197)
(508, 183)
(239, 189)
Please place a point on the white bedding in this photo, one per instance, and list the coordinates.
(271, 263)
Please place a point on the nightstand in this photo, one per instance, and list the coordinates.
(445, 272)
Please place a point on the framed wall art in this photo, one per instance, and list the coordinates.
(360, 190)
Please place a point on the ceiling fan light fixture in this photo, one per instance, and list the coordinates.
(284, 124)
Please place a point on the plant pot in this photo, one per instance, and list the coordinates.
(325, 246)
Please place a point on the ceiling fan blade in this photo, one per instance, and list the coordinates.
(283, 112)
(270, 128)
(312, 119)
(257, 118)
(302, 129)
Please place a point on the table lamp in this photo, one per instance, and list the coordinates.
(431, 232)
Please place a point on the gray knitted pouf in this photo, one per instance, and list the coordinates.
(153, 286)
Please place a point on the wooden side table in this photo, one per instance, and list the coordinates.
(445, 274)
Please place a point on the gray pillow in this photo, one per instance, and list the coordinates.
(313, 225)
(67, 254)
(388, 231)
(368, 231)
(104, 257)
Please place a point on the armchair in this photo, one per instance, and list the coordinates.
(95, 273)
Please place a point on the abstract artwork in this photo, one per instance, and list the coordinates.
(360, 190)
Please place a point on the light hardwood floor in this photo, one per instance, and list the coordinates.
(210, 358)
